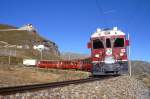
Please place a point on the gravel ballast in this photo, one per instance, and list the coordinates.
(121, 87)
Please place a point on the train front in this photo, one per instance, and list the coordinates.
(109, 52)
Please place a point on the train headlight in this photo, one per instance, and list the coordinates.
(97, 55)
(123, 50)
(121, 54)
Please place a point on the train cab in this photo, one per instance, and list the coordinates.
(109, 52)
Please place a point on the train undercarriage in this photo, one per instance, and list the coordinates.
(102, 68)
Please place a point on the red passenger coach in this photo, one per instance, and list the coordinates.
(48, 64)
(109, 52)
(78, 64)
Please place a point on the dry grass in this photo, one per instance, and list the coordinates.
(19, 75)
(141, 71)
(145, 77)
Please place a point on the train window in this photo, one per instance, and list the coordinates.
(97, 44)
(119, 42)
(108, 43)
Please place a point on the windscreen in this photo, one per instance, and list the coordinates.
(119, 42)
(108, 43)
(97, 44)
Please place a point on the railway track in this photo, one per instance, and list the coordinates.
(36, 87)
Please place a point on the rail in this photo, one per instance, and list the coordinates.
(35, 87)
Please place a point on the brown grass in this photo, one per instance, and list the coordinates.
(19, 75)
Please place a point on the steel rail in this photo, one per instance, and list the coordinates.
(36, 87)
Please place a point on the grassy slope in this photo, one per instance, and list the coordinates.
(16, 37)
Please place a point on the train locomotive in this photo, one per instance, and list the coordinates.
(109, 52)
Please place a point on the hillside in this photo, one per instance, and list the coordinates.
(140, 67)
(22, 42)
(141, 71)
(18, 37)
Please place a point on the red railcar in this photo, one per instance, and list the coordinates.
(109, 52)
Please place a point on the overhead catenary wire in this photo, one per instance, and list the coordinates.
(101, 11)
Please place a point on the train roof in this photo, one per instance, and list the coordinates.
(107, 32)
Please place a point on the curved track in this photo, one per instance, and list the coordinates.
(36, 87)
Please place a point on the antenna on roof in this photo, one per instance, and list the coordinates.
(98, 30)
(115, 28)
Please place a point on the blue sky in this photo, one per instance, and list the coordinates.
(70, 23)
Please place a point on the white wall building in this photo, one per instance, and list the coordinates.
(40, 47)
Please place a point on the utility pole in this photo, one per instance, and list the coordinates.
(41, 55)
(9, 57)
(129, 60)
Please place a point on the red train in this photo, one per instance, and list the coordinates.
(80, 64)
(109, 52)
